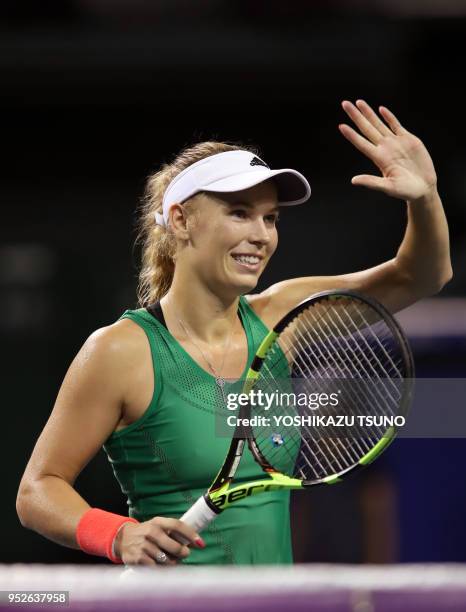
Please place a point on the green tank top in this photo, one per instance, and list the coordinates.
(168, 458)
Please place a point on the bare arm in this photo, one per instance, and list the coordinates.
(86, 412)
(422, 264)
(104, 378)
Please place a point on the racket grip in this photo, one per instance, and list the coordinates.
(199, 515)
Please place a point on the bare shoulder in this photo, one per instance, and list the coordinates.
(259, 302)
(120, 348)
(99, 386)
(111, 360)
(119, 338)
(115, 363)
(277, 300)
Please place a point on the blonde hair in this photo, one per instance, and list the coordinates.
(158, 243)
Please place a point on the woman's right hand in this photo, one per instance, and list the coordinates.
(143, 543)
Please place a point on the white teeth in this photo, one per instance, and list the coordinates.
(248, 259)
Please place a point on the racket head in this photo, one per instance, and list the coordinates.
(333, 337)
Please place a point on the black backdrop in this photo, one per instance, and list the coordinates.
(94, 97)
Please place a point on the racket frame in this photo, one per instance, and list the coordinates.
(219, 495)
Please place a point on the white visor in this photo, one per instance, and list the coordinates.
(229, 172)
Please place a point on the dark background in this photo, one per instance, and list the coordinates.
(97, 94)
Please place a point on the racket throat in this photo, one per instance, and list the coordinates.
(225, 497)
(229, 467)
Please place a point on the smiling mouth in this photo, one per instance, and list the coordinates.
(250, 259)
(248, 262)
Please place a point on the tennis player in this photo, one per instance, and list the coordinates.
(145, 387)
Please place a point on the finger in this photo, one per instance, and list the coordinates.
(358, 141)
(156, 553)
(371, 116)
(372, 182)
(392, 121)
(168, 545)
(366, 128)
(141, 559)
(188, 533)
(145, 559)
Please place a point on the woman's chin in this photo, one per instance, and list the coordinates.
(244, 283)
(241, 281)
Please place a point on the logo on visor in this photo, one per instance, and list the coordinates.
(255, 161)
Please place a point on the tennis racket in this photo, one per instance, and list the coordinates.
(336, 344)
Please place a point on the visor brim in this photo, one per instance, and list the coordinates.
(292, 187)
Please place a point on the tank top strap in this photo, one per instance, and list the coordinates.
(256, 326)
(147, 317)
(156, 311)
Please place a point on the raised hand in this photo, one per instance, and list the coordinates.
(405, 164)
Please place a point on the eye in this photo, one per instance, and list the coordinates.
(239, 212)
(272, 218)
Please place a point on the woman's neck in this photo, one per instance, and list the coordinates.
(209, 317)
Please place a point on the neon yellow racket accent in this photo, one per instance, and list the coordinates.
(224, 497)
(378, 448)
(266, 344)
(332, 479)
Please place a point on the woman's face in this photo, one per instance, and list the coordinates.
(234, 236)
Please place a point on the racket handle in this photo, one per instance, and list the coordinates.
(199, 515)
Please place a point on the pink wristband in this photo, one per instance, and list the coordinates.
(96, 531)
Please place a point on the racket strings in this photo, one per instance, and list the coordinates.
(345, 455)
(386, 370)
(378, 340)
(372, 357)
(324, 344)
(358, 358)
(306, 374)
(328, 372)
(353, 363)
(335, 366)
(304, 457)
(361, 359)
(340, 371)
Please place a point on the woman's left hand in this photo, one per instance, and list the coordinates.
(406, 166)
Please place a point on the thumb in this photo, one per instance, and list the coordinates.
(372, 182)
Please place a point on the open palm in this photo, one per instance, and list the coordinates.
(405, 164)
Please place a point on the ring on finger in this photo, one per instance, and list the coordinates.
(161, 557)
